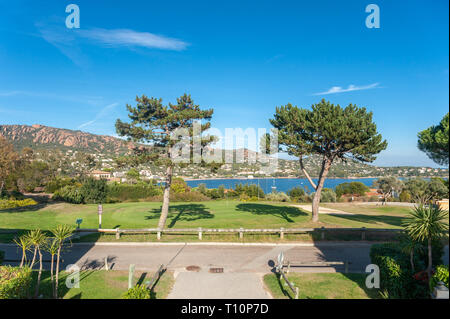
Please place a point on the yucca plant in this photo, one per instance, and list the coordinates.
(426, 224)
(61, 234)
(38, 239)
(24, 243)
(52, 247)
(410, 246)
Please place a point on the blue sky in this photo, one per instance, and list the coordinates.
(242, 58)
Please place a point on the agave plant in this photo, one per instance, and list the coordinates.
(426, 224)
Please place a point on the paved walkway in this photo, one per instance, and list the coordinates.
(227, 285)
(324, 210)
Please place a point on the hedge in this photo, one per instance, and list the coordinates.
(137, 292)
(15, 282)
(396, 276)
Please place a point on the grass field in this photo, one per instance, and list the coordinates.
(209, 214)
(102, 284)
(214, 214)
(322, 286)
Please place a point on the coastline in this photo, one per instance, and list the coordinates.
(313, 177)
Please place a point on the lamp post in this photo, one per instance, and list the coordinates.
(100, 212)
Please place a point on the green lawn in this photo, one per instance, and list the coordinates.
(208, 214)
(321, 286)
(102, 284)
(214, 214)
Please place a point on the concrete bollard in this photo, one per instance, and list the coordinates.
(200, 233)
(117, 233)
(241, 233)
(281, 233)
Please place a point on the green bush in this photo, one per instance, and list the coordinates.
(396, 276)
(12, 203)
(69, 194)
(137, 292)
(126, 192)
(94, 191)
(353, 188)
(327, 196)
(278, 197)
(58, 183)
(192, 196)
(441, 274)
(296, 193)
(15, 282)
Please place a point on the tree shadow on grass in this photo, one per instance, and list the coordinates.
(283, 212)
(185, 212)
(375, 219)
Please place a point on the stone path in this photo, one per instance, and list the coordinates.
(324, 210)
(227, 285)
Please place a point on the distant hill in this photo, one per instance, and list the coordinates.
(45, 137)
(65, 144)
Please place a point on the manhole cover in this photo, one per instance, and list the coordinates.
(193, 268)
(216, 270)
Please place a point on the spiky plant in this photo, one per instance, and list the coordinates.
(426, 224)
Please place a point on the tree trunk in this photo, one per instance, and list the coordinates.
(411, 260)
(23, 258)
(316, 200)
(430, 259)
(166, 198)
(300, 159)
(55, 293)
(36, 292)
(34, 257)
(1, 187)
(51, 275)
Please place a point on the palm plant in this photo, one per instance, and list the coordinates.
(410, 246)
(61, 234)
(25, 244)
(51, 247)
(426, 224)
(38, 240)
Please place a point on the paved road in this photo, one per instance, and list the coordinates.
(243, 265)
(233, 258)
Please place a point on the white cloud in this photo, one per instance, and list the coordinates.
(126, 37)
(103, 112)
(351, 87)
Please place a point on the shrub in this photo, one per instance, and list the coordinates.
(179, 186)
(12, 203)
(69, 194)
(405, 196)
(2, 256)
(278, 197)
(396, 276)
(15, 282)
(94, 191)
(441, 274)
(58, 183)
(137, 292)
(327, 196)
(296, 193)
(126, 192)
(188, 197)
(353, 188)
